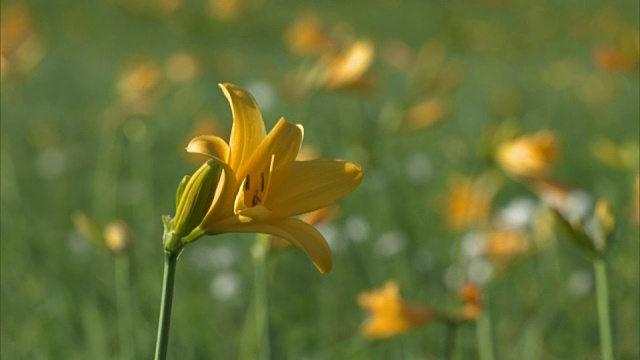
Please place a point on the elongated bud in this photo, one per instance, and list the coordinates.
(180, 189)
(194, 200)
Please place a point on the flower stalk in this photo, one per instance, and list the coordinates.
(604, 317)
(162, 342)
(484, 337)
(123, 305)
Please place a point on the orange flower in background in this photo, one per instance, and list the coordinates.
(20, 47)
(226, 9)
(529, 155)
(138, 80)
(389, 315)
(622, 52)
(425, 114)
(471, 295)
(349, 67)
(343, 62)
(504, 245)
(468, 201)
(307, 36)
(181, 67)
(613, 60)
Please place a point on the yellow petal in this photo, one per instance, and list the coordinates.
(211, 146)
(282, 143)
(297, 232)
(253, 214)
(248, 127)
(311, 185)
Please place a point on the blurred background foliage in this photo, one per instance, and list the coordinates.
(99, 99)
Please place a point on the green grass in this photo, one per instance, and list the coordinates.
(64, 151)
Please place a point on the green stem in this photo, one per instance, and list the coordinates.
(170, 260)
(604, 317)
(123, 304)
(259, 252)
(484, 337)
(450, 340)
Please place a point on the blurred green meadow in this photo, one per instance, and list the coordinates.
(99, 99)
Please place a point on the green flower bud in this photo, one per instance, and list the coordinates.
(180, 189)
(194, 200)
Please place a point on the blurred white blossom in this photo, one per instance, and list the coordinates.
(391, 243)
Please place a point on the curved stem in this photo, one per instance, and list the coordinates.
(162, 342)
(604, 317)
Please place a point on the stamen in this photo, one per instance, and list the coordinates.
(246, 184)
(256, 199)
(262, 182)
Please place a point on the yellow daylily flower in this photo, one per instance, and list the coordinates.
(263, 186)
(468, 200)
(528, 156)
(389, 315)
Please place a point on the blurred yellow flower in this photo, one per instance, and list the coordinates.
(21, 49)
(263, 185)
(226, 9)
(505, 245)
(347, 68)
(623, 51)
(471, 295)
(118, 236)
(389, 315)
(614, 60)
(529, 155)
(425, 114)
(468, 202)
(181, 67)
(307, 36)
(138, 80)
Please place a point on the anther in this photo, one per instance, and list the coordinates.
(246, 184)
(255, 200)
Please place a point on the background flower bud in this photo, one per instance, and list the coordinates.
(118, 236)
